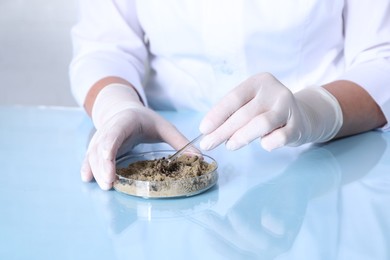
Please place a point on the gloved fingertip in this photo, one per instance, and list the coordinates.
(203, 146)
(109, 171)
(85, 172)
(232, 145)
(267, 148)
(206, 144)
(270, 144)
(86, 177)
(206, 126)
(105, 186)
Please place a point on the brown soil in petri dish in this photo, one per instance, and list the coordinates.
(187, 175)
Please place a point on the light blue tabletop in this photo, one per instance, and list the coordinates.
(314, 202)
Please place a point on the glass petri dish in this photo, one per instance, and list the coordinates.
(167, 188)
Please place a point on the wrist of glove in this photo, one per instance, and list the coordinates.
(111, 100)
(321, 113)
(315, 117)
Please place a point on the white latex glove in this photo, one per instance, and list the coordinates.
(262, 107)
(120, 117)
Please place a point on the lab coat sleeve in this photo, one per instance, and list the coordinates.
(367, 49)
(107, 41)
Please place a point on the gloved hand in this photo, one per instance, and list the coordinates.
(263, 107)
(120, 117)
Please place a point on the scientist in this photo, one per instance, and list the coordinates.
(284, 72)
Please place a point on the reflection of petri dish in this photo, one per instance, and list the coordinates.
(168, 188)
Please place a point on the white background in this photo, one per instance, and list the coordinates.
(35, 51)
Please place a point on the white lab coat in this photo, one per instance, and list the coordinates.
(187, 54)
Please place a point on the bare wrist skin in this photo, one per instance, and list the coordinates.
(98, 86)
(360, 111)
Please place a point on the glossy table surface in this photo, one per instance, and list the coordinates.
(326, 202)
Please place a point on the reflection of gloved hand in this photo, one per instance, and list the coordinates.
(120, 117)
(263, 107)
(265, 221)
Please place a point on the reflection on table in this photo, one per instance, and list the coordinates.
(313, 202)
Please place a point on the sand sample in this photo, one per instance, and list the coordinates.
(157, 178)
